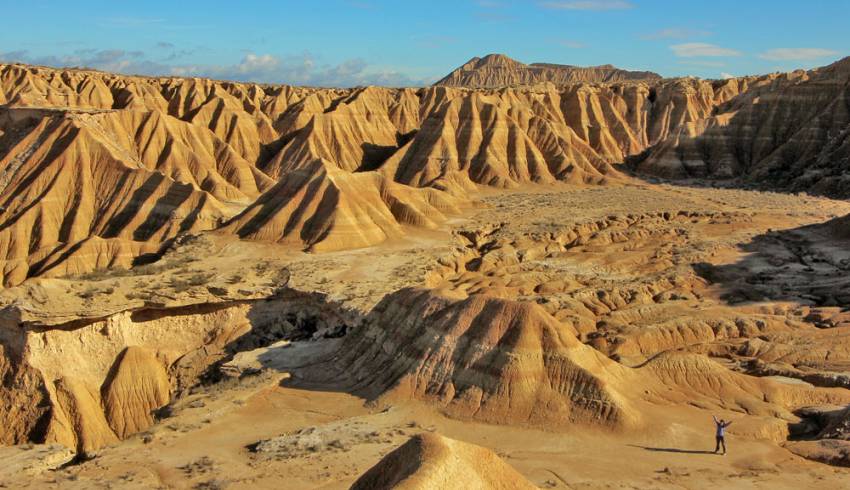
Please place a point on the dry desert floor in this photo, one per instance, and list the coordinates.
(724, 254)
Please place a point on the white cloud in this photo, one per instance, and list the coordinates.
(786, 54)
(691, 50)
(726, 76)
(113, 60)
(301, 69)
(675, 33)
(588, 5)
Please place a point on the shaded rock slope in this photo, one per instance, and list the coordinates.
(789, 131)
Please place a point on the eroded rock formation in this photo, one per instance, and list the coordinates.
(98, 168)
(433, 461)
(588, 322)
(87, 375)
(487, 358)
(787, 131)
(509, 362)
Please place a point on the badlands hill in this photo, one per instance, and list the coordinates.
(432, 461)
(504, 361)
(788, 132)
(498, 70)
(99, 169)
(503, 265)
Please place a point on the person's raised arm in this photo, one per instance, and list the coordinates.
(715, 419)
(727, 424)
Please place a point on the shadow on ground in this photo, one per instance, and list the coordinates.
(672, 450)
(807, 265)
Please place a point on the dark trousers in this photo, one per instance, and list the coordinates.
(720, 441)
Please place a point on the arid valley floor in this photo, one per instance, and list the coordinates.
(555, 284)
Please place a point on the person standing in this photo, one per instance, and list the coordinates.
(720, 434)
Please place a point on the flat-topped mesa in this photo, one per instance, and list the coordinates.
(492, 60)
(498, 70)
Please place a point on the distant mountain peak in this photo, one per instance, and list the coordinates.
(498, 59)
(499, 70)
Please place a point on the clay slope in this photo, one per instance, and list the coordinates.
(326, 208)
(98, 169)
(498, 70)
(575, 134)
(281, 128)
(224, 107)
(432, 461)
(358, 133)
(788, 132)
(511, 362)
(121, 176)
(497, 360)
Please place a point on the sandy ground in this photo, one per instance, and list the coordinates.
(206, 444)
(321, 438)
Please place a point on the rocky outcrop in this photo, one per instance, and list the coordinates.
(830, 443)
(359, 131)
(24, 400)
(136, 386)
(77, 419)
(127, 366)
(326, 208)
(498, 70)
(131, 358)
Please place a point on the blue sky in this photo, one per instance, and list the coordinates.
(354, 42)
